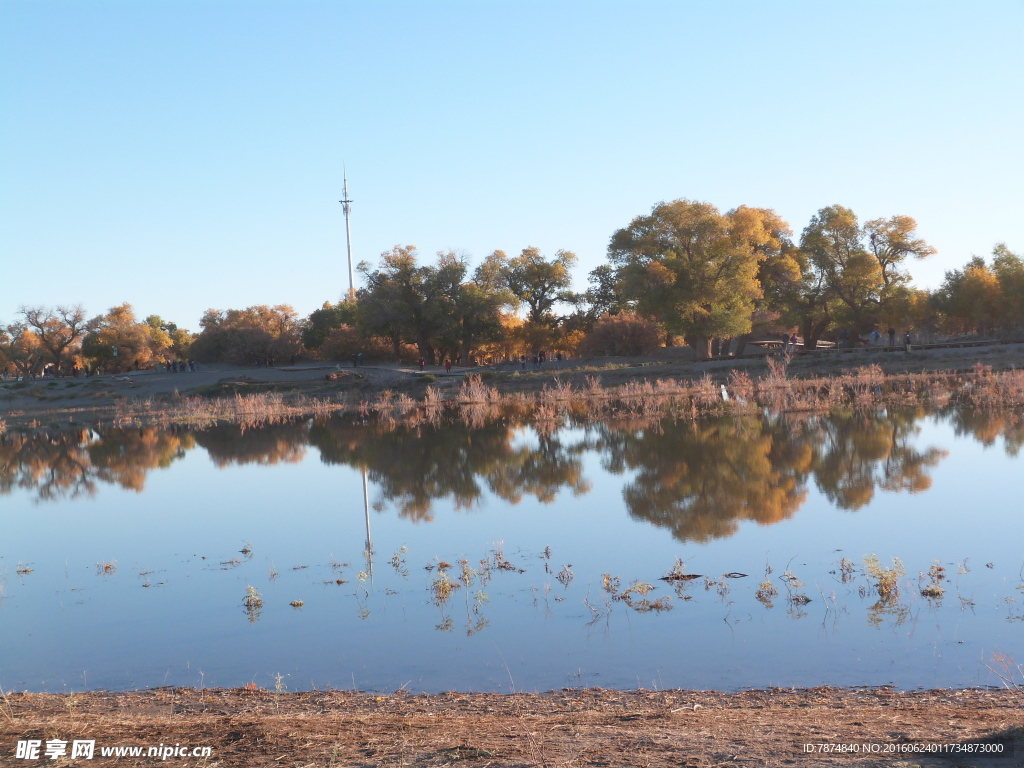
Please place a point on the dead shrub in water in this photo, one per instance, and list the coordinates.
(595, 390)
(559, 392)
(705, 393)
(885, 581)
(473, 390)
(433, 404)
(253, 603)
(774, 390)
(933, 590)
(740, 385)
(442, 587)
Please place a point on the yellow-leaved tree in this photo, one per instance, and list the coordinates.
(691, 268)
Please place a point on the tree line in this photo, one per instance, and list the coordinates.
(683, 273)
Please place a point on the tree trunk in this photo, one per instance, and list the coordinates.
(427, 352)
(741, 344)
(702, 346)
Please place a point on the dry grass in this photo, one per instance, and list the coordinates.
(545, 399)
(562, 729)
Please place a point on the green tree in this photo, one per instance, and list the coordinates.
(845, 268)
(539, 283)
(478, 306)
(891, 241)
(854, 274)
(407, 302)
(1008, 268)
(971, 299)
(321, 322)
(167, 340)
(691, 268)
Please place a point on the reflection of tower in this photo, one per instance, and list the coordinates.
(368, 552)
(346, 206)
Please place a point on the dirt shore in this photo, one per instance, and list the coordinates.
(569, 728)
(97, 399)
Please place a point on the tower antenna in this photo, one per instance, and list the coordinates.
(346, 206)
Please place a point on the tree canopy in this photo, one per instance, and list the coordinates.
(692, 268)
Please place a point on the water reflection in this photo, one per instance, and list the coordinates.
(698, 479)
(414, 466)
(70, 464)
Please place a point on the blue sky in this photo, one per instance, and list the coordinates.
(187, 155)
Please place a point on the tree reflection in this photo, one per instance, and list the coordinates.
(700, 479)
(987, 426)
(229, 444)
(860, 452)
(71, 463)
(413, 467)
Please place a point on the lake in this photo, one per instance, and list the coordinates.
(504, 556)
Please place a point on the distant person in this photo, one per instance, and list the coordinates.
(906, 340)
(293, 359)
(448, 365)
(875, 336)
(423, 363)
(892, 337)
(360, 358)
(785, 342)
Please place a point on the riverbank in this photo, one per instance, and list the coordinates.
(569, 728)
(804, 382)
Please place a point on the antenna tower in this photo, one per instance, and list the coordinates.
(346, 206)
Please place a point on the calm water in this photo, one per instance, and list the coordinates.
(126, 554)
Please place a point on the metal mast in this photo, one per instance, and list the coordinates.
(368, 552)
(346, 206)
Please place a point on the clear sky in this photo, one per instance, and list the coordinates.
(186, 155)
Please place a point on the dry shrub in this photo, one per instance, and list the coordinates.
(741, 385)
(706, 393)
(625, 334)
(473, 390)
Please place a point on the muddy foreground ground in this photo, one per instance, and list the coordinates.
(567, 728)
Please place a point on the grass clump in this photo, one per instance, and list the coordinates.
(443, 585)
(886, 580)
(253, 603)
(933, 590)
